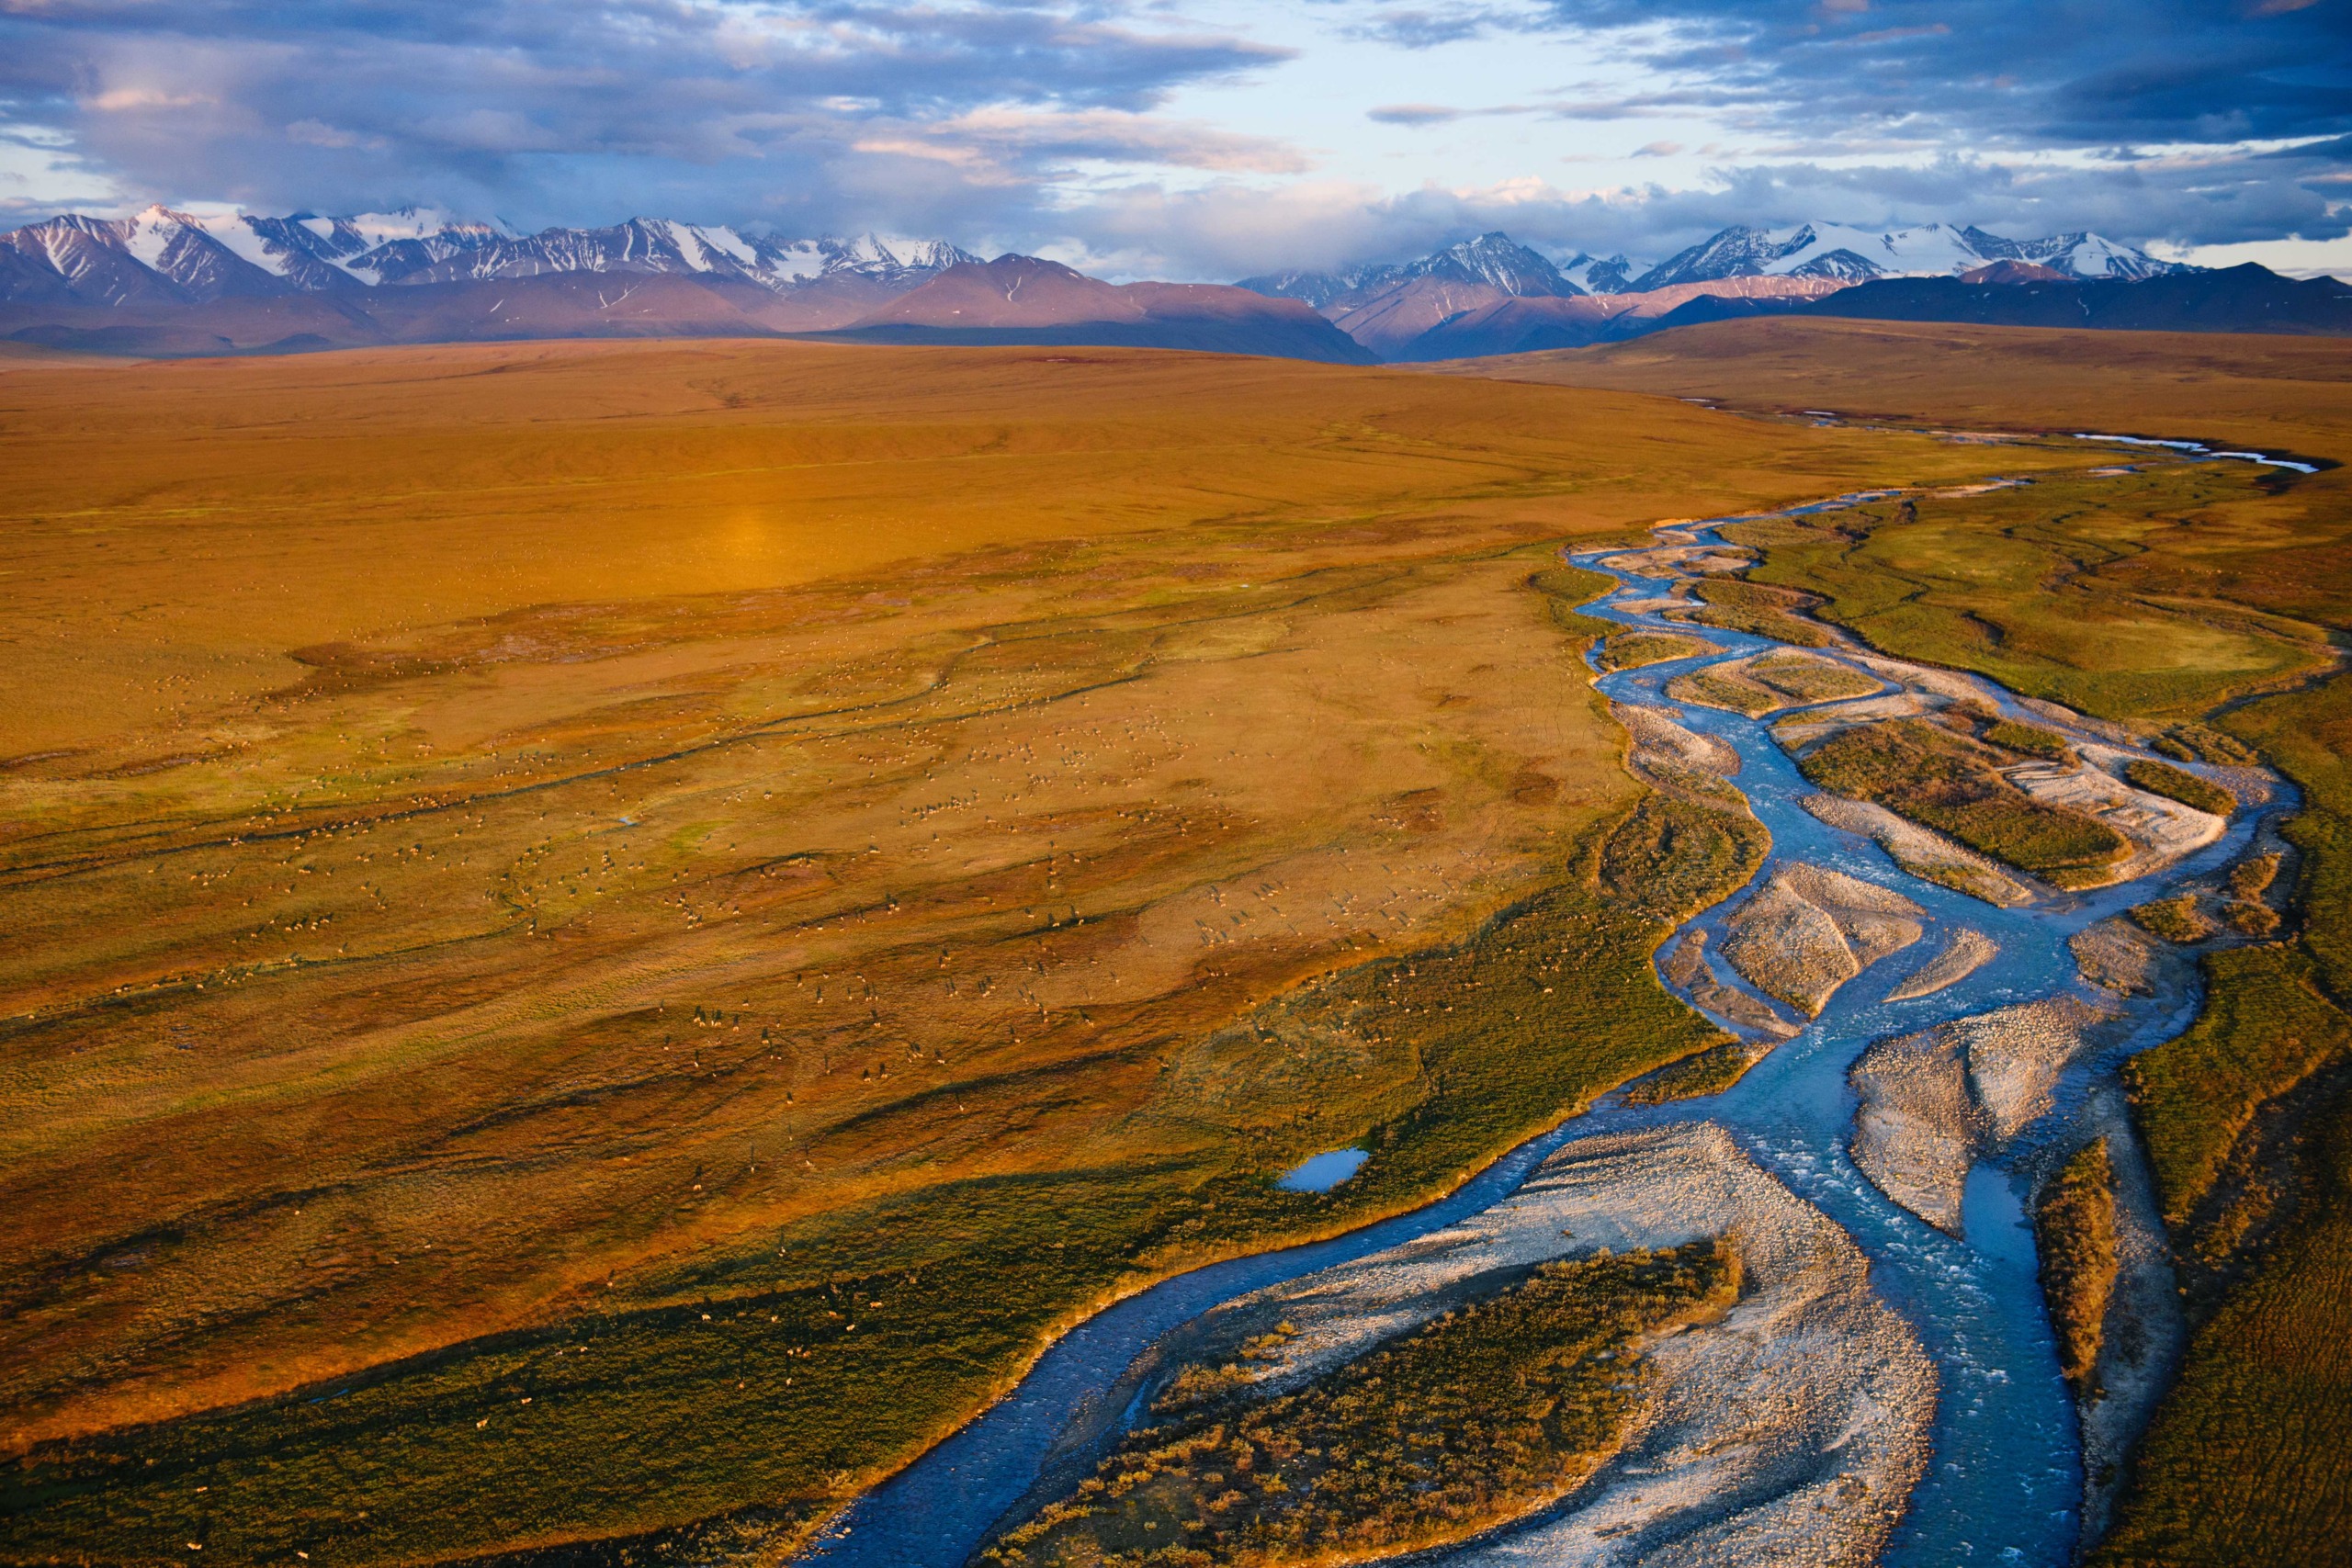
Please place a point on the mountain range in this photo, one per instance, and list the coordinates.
(167, 282)
(174, 283)
(1491, 290)
(182, 257)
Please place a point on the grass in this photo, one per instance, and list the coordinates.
(2202, 743)
(1710, 1072)
(1725, 689)
(2029, 741)
(2074, 1232)
(2067, 590)
(1811, 680)
(1950, 784)
(2248, 912)
(2252, 876)
(2243, 1465)
(1751, 607)
(2174, 920)
(1497, 1406)
(1631, 650)
(2173, 783)
(2267, 1030)
(1758, 686)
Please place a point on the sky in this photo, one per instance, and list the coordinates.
(1210, 139)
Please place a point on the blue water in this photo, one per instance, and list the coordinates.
(2004, 1482)
(1323, 1172)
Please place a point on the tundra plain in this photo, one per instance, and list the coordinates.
(606, 939)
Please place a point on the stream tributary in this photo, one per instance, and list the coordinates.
(2003, 1482)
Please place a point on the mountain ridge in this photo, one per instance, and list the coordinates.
(170, 282)
(163, 252)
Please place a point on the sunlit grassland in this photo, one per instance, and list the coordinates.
(2182, 601)
(2246, 1460)
(175, 532)
(2010, 582)
(859, 1331)
(509, 851)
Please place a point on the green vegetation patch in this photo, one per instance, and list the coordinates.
(2249, 1462)
(2029, 741)
(1631, 650)
(2163, 778)
(1951, 784)
(1709, 1072)
(1725, 689)
(1773, 681)
(2252, 878)
(1811, 680)
(1766, 612)
(2265, 1030)
(2076, 1228)
(2174, 919)
(2202, 743)
(2054, 590)
(1493, 1408)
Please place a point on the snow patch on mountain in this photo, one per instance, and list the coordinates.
(1600, 275)
(1928, 250)
(202, 257)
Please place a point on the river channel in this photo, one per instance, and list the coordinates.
(2004, 1481)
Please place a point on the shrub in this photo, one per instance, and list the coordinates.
(2163, 778)
(2030, 740)
(2174, 919)
(2076, 1227)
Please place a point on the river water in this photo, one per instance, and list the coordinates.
(2005, 1483)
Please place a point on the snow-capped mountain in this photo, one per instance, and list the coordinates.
(1493, 260)
(1930, 250)
(1391, 307)
(2077, 255)
(1497, 261)
(164, 255)
(661, 246)
(1600, 275)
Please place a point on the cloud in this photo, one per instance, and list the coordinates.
(1227, 230)
(1064, 125)
(1439, 114)
(1408, 28)
(737, 110)
(1988, 73)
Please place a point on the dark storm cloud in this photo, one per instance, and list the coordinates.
(2007, 73)
(741, 109)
